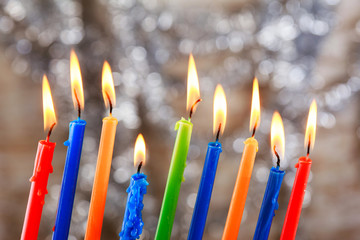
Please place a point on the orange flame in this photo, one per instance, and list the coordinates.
(108, 89)
(193, 90)
(76, 82)
(139, 150)
(255, 107)
(48, 105)
(219, 109)
(311, 126)
(277, 136)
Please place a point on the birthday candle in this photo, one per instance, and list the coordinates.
(209, 171)
(270, 204)
(178, 159)
(72, 163)
(238, 199)
(301, 178)
(132, 223)
(102, 172)
(42, 169)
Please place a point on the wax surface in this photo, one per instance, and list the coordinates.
(269, 204)
(69, 180)
(39, 180)
(296, 199)
(238, 199)
(175, 177)
(204, 193)
(133, 224)
(101, 180)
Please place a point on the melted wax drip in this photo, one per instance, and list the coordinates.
(133, 224)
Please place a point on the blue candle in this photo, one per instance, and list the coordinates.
(132, 223)
(269, 204)
(68, 186)
(201, 208)
(72, 162)
(205, 189)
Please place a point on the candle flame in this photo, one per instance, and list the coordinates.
(108, 89)
(76, 81)
(193, 90)
(277, 136)
(255, 107)
(139, 150)
(219, 109)
(48, 105)
(311, 126)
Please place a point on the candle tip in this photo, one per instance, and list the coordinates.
(49, 133)
(218, 133)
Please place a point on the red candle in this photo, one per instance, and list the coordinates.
(42, 169)
(301, 178)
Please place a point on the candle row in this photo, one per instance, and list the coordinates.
(132, 223)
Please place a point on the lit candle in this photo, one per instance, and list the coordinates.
(270, 204)
(178, 159)
(102, 172)
(209, 171)
(132, 223)
(72, 163)
(301, 178)
(238, 199)
(42, 169)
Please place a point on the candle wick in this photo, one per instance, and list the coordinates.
(254, 130)
(110, 103)
(218, 133)
(49, 133)
(139, 167)
(277, 156)
(78, 103)
(193, 106)
(308, 147)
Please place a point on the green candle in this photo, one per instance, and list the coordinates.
(178, 159)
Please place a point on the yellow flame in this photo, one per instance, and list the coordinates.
(277, 135)
(255, 107)
(311, 126)
(139, 150)
(193, 90)
(48, 105)
(108, 89)
(76, 82)
(219, 109)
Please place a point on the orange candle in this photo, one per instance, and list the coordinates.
(238, 200)
(106, 147)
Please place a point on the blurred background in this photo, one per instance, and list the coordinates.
(299, 50)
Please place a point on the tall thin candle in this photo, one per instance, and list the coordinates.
(238, 199)
(42, 169)
(132, 223)
(72, 163)
(270, 204)
(103, 166)
(301, 178)
(198, 221)
(178, 159)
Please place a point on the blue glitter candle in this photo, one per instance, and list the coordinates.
(133, 224)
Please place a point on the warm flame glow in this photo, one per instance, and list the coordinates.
(219, 109)
(277, 136)
(108, 89)
(48, 105)
(76, 82)
(193, 90)
(311, 126)
(255, 107)
(139, 150)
